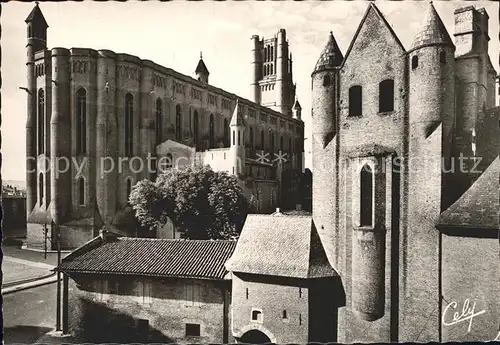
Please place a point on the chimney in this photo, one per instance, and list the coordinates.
(298, 207)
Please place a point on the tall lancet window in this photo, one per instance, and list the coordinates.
(195, 127)
(251, 138)
(129, 124)
(81, 191)
(262, 139)
(41, 121)
(178, 123)
(211, 133)
(271, 142)
(40, 189)
(129, 188)
(81, 121)
(159, 121)
(366, 204)
(226, 133)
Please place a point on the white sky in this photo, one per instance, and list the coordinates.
(172, 34)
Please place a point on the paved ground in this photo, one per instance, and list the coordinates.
(17, 252)
(15, 270)
(29, 314)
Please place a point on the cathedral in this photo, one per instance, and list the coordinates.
(98, 122)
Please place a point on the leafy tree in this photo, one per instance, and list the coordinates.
(201, 203)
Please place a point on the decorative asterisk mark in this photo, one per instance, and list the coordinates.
(280, 158)
(262, 158)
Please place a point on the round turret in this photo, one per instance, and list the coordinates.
(237, 145)
(202, 71)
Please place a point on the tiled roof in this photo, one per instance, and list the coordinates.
(432, 31)
(331, 56)
(479, 206)
(285, 246)
(151, 257)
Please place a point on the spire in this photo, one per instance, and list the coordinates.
(331, 56)
(237, 119)
(432, 31)
(36, 15)
(296, 105)
(201, 68)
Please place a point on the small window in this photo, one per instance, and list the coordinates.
(129, 188)
(81, 191)
(256, 315)
(192, 330)
(234, 138)
(442, 57)
(386, 95)
(300, 292)
(247, 288)
(414, 62)
(285, 316)
(239, 138)
(327, 80)
(355, 100)
(300, 319)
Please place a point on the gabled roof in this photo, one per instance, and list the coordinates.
(372, 7)
(280, 245)
(478, 207)
(237, 119)
(330, 57)
(109, 254)
(36, 15)
(432, 31)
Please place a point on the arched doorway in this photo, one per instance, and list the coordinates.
(254, 337)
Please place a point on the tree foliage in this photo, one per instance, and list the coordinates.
(201, 203)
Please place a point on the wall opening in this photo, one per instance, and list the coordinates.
(178, 123)
(211, 133)
(414, 62)
(366, 204)
(81, 191)
(129, 124)
(355, 100)
(159, 121)
(386, 95)
(81, 121)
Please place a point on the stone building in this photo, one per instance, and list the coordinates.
(411, 233)
(177, 292)
(13, 216)
(99, 121)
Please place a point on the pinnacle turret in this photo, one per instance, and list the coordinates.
(36, 15)
(237, 118)
(432, 31)
(331, 56)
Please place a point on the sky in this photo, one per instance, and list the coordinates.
(173, 33)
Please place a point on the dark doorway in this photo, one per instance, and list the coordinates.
(255, 337)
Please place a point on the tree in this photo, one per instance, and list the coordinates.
(201, 203)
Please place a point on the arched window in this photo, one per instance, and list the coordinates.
(195, 127)
(366, 204)
(81, 121)
(327, 80)
(414, 62)
(272, 53)
(129, 124)
(41, 120)
(386, 95)
(442, 57)
(226, 133)
(170, 161)
(40, 188)
(178, 123)
(81, 191)
(159, 121)
(265, 53)
(211, 132)
(355, 100)
(262, 137)
(129, 188)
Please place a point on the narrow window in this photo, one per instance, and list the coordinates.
(234, 139)
(414, 62)
(211, 134)
(281, 144)
(386, 95)
(442, 57)
(271, 140)
(81, 191)
(159, 121)
(285, 316)
(226, 133)
(40, 186)
(265, 53)
(272, 53)
(300, 292)
(178, 123)
(290, 145)
(195, 127)
(81, 121)
(300, 319)
(262, 137)
(251, 137)
(326, 80)
(129, 123)
(366, 203)
(272, 69)
(192, 330)
(247, 292)
(129, 189)
(170, 161)
(41, 120)
(239, 138)
(355, 100)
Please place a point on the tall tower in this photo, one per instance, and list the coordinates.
(237, 146)
(201, 71)
(325, 95)
(37, 40)
(272, 84)
(431, 120)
